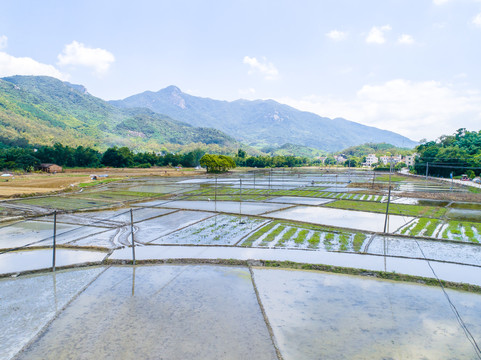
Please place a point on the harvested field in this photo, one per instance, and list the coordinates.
(42, 183)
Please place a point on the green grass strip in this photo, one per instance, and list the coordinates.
(314, 240)
(394, 209)
(287, 236)
(359, 239)
(272, 235)
(250, 240)
(301, 236)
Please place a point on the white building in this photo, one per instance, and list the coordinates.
(409, 159)
(370, 160)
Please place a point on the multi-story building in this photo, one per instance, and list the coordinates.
(370, 160)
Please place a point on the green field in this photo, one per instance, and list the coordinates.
(394, 209)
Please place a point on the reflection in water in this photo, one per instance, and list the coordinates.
(133, 280)
(326, 316)
(28, 303)
(54, 280)
(178, 312)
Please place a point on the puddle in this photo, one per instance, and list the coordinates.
(346, 317)
(18, 261)
(152, 312)
(28, 303)
(341, 218)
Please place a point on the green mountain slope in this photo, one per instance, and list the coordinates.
(260, 123)
(44, 110)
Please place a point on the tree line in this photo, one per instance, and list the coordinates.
(29, 158)
(458, 154)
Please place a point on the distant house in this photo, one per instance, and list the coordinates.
(50, 168)
(409, 160)
(340, 159)
(370, 160)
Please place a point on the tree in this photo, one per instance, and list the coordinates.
(217, 163)
(118, 157)
(241, 153)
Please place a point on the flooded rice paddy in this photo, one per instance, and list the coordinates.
(28, 260)
(214, 312)
(345, 317)
(341, 218)
(204, 310)
(169, 312)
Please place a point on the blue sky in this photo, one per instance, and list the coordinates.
(410, 66)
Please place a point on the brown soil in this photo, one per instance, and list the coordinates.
(41, 183)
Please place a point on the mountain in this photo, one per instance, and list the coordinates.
(262, 123)
(44, 110)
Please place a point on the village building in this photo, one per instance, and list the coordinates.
(370, 160)
(409, 159)
(50, 168)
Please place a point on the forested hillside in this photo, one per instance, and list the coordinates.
(42, 110)
(262, 123)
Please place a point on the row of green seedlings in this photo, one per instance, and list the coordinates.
(451, 230)
(281, 234)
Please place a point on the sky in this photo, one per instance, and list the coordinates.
(409, 66)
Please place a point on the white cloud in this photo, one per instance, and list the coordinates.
(11, 65)
(376, 35)
(405, 39)
(440, 2)
(415, 109)
(3, 42)
(78, 54)
(266, 68)
(477, 20)
(337, 35)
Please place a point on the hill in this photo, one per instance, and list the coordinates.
(43, 110)
(378, 149)
(295, 150)
(262, 123)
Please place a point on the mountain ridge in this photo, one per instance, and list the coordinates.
(257, 122)
(45, 110)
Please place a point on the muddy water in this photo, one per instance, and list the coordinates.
(421, 202)
(463, 205)
(160, 312)
(464, 214)
(326, 316)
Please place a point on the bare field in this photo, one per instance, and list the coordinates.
(37, 183)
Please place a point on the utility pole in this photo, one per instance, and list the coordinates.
(54, 239)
